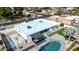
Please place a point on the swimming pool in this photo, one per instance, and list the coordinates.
(51, 46)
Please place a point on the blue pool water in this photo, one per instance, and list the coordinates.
(51, 46)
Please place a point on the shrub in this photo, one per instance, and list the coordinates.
(62, 24)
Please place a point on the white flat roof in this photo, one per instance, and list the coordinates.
(36, 26)
(71, 17)
(56, 16)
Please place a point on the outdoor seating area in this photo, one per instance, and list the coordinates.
(38, 38)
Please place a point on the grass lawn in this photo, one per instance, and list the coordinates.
(77, 26)
(61, 32)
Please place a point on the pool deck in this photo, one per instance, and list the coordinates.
(61, 39)
(55, 37)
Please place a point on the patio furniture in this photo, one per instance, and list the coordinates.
(38, 38)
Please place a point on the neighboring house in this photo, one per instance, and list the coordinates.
(55, 18)
(77, 21)
(69, 20)
(50, 12)
(27, 13)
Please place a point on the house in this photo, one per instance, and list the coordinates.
(26, 35)
(13, 41)
(34, 29)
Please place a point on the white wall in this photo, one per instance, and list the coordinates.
(23, 35)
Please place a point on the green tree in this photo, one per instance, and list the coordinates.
(36, 9)
(39, 9)
(62, 24)
(18, 12)
(60, 11)
(76, 11)
(5, 12)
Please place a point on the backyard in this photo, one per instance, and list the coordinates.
(60, 31)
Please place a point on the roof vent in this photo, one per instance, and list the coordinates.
(29, 27)
(41, 21)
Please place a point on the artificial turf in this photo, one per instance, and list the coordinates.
(61, 32)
